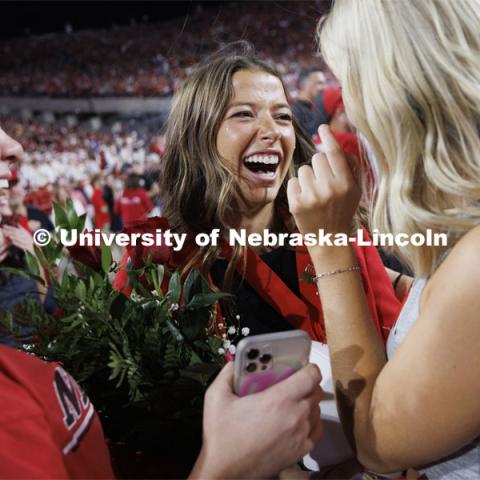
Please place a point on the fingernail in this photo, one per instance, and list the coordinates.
(324, 128)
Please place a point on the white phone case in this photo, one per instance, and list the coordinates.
(263, 360)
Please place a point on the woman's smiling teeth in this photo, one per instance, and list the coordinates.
(262, 163)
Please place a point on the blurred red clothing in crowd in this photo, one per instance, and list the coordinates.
(102, 216)
(134, 205)
(41, 199)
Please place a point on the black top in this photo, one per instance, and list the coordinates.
(36, 214)
(254, 312)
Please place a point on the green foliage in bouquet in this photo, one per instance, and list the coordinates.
(145, 360)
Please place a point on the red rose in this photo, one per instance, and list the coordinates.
(161, 254)
(89, 256)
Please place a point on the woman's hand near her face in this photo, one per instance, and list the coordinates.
(19, 237)
(260, 434)
(22, 239)
(325, 195)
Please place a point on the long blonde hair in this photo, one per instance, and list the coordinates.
(410, 72)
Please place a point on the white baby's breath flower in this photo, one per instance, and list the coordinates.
(232, 330)
(237, 317)
(135, 297)
(221, 351)
(227, 343)
(174, 307)
(245, 331)
(232, 349)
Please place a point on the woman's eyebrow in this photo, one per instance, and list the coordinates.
(250, 104)
(237, 104)
(282, 105)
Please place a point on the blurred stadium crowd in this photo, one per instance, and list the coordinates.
(151, 59)
(61, 162)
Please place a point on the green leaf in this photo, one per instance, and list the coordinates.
(174, 288)
(190, 281)
(106, 258)
(81, 291)
(195, 283)
(215, 343)
(71, 213)
(133, 275)
(204, 285)
(194, 358)
(40, 255)
(117, 366)
(32, 264)
(23, 273)
(161, 274)
(156, 277)
(97, 279)
(81, 222)
(206, 299)
(61, 219)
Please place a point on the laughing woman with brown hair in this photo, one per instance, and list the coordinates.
(232, 143)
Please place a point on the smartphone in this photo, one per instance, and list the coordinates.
(263, 360)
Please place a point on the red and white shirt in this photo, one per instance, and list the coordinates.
(134, 205)
(48, 426)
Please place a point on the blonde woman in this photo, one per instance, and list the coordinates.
(410, 75)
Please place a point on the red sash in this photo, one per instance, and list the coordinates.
(305, 312)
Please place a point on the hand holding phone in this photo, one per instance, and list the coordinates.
(257, 436)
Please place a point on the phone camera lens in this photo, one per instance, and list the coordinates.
(265, 358)
(251, 367)
(253, 354)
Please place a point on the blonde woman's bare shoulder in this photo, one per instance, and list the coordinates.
(472, 238)
(460, 272)
(466, 252)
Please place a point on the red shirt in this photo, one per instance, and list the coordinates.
(41, 199)
(134, 205)
(102, 216)
(48, 426)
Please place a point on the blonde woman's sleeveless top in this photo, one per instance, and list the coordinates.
(465, 463)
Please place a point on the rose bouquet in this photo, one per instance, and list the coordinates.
(145, 359)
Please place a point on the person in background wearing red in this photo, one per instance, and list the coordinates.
(102, 216)
(134, 205)
(331, 103)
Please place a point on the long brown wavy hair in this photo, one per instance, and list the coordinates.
(198, 189)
